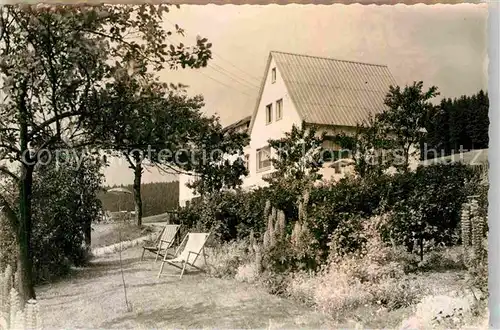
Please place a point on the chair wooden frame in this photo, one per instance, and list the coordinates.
(185, 260)
(159, 246)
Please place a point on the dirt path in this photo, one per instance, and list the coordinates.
(94, 298)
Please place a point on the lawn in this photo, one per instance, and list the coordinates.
(94, 298)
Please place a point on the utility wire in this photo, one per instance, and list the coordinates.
(243, 82)
(221, 58)
(246, 84)
(218, 81)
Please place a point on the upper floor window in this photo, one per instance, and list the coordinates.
(264, 158)
(269, 113)
(273, 75)
(279, 109)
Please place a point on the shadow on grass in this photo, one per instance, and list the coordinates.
(202, 315)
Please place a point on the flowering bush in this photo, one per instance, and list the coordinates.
(225, 259)
(371, 275)
(14, 314)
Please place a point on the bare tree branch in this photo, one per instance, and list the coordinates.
(5, 170)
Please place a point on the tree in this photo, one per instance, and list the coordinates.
(146, 122)
(55, 62)
(404, 120)
(461, 122)
(366, 147)
(298, 157)
(297, 161)
(215, 155)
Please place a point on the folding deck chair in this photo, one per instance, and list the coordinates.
(195, 245)
(164, 241)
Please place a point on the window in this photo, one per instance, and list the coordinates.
(273, 75)
(331, 151)
(269, 113)
(279, 109)
(263, 158)
(247, 161)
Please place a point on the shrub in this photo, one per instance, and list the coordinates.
(14, 314)
(64, 205)
(440, 259)
(430, 213)
(247, 273)
(225, 259)
(275, 282)
(8, 245)
(370, 275)
(229, 215)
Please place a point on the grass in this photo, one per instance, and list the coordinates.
(156, 218)
(108, 234)
(93, 298)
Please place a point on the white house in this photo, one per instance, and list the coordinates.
(334, 95)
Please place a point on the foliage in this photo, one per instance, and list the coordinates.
(224, 259)
(298, 157)
(8, 244)
(424, 207)
(157, 198)
(430, 212)
(366, 146)
(370, 275)
(215, 155)
(228, 214)
(459, 122)
(405, 118)
(55, 64)
(13, 313)
(338, 208)
(65, 204)
(149, 123)
(297, 163)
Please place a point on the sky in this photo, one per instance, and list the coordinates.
(441, 45)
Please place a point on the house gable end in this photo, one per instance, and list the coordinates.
(265, 81)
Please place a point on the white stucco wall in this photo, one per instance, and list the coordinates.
(261, 131)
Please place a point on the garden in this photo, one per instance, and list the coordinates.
(379, 250)
(385, 246)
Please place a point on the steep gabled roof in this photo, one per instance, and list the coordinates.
(327, 91)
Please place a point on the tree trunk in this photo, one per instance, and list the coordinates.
(24, 232)
(137, 193)
(421, 249)
(88, 233)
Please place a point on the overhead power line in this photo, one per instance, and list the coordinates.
(227, 61)
(220, 82)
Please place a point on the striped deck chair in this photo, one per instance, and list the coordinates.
(164, 242)
(193, 248)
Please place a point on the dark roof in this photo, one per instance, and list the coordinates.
(240, 122)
